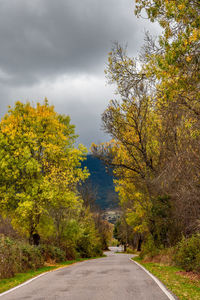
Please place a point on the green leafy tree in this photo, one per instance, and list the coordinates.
(155, 124)
(39, 166)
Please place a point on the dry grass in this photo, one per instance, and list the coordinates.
(191, 275)
(164, 257)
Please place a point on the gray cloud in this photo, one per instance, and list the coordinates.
(83, 98)
(48, 37)
(59, 49)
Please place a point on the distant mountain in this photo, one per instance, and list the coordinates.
(101, 182)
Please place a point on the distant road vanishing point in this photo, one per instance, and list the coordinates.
(113, 277)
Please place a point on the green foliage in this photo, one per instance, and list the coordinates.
(126, 236)
(39, 167)
(8, 256)
(88, 243)
(160, 222)
(120, 231)
(155, 127)
(18, 257)
(130, 250)
(114, 242)
(39, 172)
(30, 258)
(149, 248)
(52, 253)
(188, 253)
(105, 231)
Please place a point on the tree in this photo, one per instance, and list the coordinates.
(88, 192)
(174, 63)
(155, 124)
(39, 167)
(135, 152)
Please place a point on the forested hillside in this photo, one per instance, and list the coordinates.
(101, 183)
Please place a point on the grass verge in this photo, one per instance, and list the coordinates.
(8, 283)
(174, 279)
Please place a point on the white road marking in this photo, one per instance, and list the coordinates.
(30, 280)
(162, 287)
(22, 284)
(160, 284)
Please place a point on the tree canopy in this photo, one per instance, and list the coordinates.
(155, 125)
(39, 165)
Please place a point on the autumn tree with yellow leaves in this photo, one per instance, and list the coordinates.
(39, 168)
(155, 124)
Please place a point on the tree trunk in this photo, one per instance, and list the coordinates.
(139, 244)
(34, 238)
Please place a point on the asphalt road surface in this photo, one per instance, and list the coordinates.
(113, 277)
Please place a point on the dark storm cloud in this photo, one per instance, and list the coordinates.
(58, 49)
(47, 37)
(83, 98)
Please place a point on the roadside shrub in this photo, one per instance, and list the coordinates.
(164, 257)
(8, 257)
(50, 252)
(188, 253)
(30, 257)
(84, 246)
(88, 248)
(114, 243)
(17, 257)
(149, 248)
(97, 250)
(130, 250)
(71, 251)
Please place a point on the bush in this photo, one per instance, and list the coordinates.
(71, 252)
(84, 246)
(148, 248)
(114, 243)
(130, 250)
(97, 250)
(188, 253)
(50, 252)
(18, 257)
(30, 257)
(87, 247)
(8, 257)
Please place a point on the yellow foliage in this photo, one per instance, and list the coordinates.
(40, 167)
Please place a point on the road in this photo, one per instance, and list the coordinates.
(113, 277)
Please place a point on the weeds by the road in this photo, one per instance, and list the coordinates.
(175, 279)
(6, 284)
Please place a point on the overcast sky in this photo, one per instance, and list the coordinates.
(58, 49)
